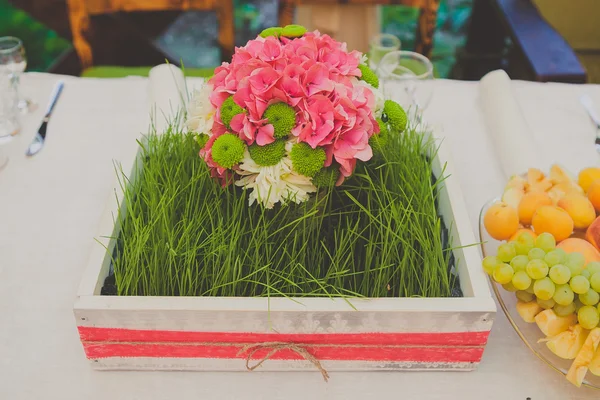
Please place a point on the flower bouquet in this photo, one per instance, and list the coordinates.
(299, 217)
(292, 112)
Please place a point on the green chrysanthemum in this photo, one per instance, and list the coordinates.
(228, 150)
(369, 76)
(201, 139)
(229, 109)
(293, 31)
(282, 117)
(326, 177)
(306, 160)
(269, 154)
(395, 115)
(273, 31)
(380, 140)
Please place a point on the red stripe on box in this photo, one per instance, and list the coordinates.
(90, 334)
(415, 354)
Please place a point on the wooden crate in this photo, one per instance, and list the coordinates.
(231, 334)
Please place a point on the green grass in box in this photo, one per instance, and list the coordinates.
(378, 235)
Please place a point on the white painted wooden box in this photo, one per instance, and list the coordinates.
(208, 333)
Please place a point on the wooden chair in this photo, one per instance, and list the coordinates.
(539, 52)
(80, 12)
(425, 25)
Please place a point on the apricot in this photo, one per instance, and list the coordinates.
(579, 208)
(522, 230)
(592, 234)
(530, 203)
(501, 221)
(587, 176)
(574, 245)
(594, 194)
(554, 220)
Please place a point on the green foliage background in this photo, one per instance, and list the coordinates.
(42, 45)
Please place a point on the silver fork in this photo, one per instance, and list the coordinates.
(587, 103)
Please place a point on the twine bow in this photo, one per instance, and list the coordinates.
(251, 349)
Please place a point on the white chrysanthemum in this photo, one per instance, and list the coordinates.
(364, 59)
(201, 111)
(379, 98)
(274, 184)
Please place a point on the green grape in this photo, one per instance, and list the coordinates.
(544, 288)
(509, 287)
(521, 280)
(545, 241)
(588, 317)
(530, 288)
(506, 252)
(537, 269)
(536, 254)
(563, 295)
(560, 274)
(586, 274)
(524, 296)
(503, 273)
(590, 298)
(546, 304)
(523, 243)
(557, 256)
(580, 284)
(563, 311)
(490, 263)
(575, 262)
(595, 281)
(593, 267)
(519, 263)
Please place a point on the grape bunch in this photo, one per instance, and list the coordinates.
(536, 270)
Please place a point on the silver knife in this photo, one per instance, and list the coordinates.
(588, 104)
(38, 141)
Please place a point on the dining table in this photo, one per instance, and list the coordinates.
(51, 204)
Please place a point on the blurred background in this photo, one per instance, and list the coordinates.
(542, 40)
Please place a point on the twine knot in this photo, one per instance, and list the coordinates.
(274, 347)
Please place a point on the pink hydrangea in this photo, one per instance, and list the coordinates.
(314, 74)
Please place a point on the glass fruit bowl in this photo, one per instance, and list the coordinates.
(528, 332)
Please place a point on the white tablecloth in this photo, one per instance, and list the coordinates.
(49, 210)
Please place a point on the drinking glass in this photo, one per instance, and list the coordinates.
(406, 77)
(380, 46)
(9, 119)
(13, 61)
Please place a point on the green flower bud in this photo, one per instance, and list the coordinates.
(273, 31)
(326, 177)
(269, 154)
(228, 150)
(380, 140)
(395, 115)
(368, 76)
(201, 139)
(306, 160)
(283, 119)
(229, 109)
(293, 31)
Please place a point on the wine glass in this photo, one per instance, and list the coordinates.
(381, 45)
(406, 77)
(14, 61)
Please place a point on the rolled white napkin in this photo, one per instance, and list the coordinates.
(168, 96)
(513, 141)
